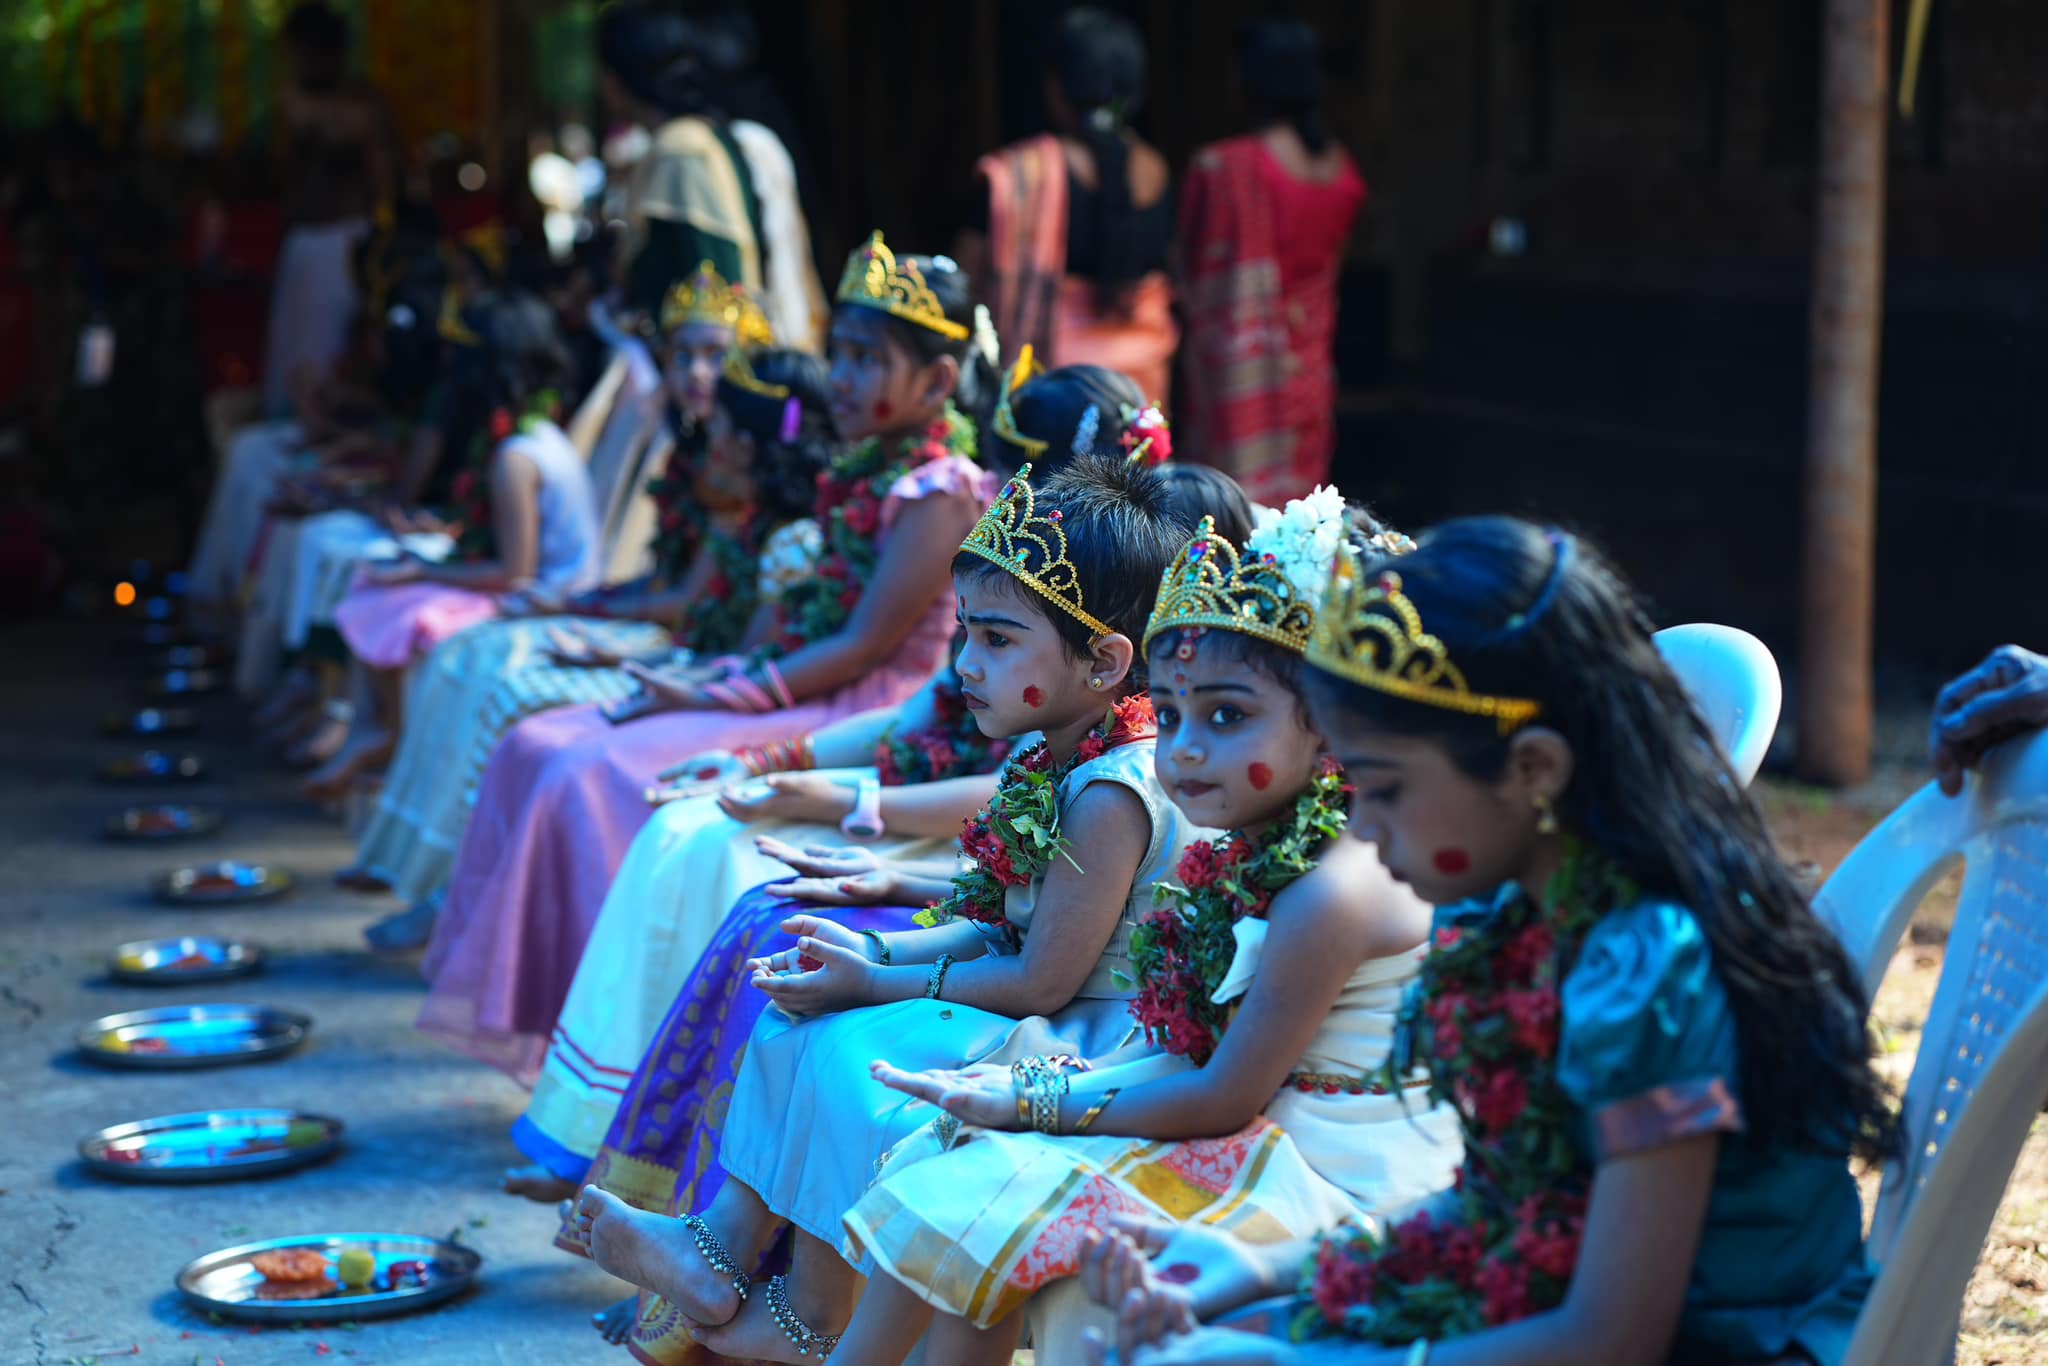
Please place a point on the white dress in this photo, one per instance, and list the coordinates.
(807, 1124)
(980, 1228)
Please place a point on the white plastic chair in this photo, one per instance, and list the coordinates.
(1982, 1069)
(1734, 682)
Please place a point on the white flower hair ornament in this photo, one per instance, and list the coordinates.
(1085, 430)
(985, 339)
(1303, 538)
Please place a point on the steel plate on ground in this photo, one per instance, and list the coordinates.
(223, 881)
(410, 1273)
(211, 1145)
(184, 960)
(193, 1036)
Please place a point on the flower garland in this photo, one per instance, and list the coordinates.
(725, 607)
(1014, 838)
(679, 521)
(471, 490)
(1182, 951)
(1485, 1012)
(953, 745)
(849, 513)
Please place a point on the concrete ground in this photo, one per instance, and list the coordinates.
(88, 1265)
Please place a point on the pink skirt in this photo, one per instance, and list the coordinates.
(556, 809)
(388, 627)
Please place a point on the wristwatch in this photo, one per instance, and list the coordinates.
(864, 822)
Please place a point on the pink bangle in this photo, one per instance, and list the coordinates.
(725, 697)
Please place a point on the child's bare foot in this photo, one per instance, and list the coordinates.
(538, 1184)
(615, 1323)
(367, 750)
(754, 1335)
(408, 930)
(656, 1253)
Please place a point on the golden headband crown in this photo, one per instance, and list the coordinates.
(1012, 536)
(1210, 585)
(1372, 635)
(874, 279)
(739, 372)
(1004, 423)
(706, 297)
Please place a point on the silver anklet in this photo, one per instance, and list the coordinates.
(714, 1252)
(808, 1340)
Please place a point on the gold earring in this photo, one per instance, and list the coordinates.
(1095, 683)
(1546, 819)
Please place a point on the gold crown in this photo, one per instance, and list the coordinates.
(1011, 530)
(706, 297)
(1373, 636)
(739, 371)
(1004, 423)
(1210, 585)
(872, 278)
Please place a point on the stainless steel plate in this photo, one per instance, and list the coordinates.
(178, 962)
(227, 1282)
(227, 880)
(186, 682)
(212, 1145)
(193, 1036)
(152, 721)
(163, 822)
(152, 766)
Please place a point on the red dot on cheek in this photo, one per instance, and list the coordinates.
(1261, 776)
(1034, 696)
(1452, 862)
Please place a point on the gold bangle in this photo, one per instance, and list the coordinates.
(1088, 1117)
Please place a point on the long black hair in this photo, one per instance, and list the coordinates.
(785, 471)
(1280, 62)
(517, 358)
(1539, 615)
(1099, 61)
(980, 385)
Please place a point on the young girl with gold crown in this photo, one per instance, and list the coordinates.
(1021, 957)
(803, 799)
(1270, 976)
(1657, 1051)
(722, 515)
(563, 793)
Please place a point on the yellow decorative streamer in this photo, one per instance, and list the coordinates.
(1916, 44)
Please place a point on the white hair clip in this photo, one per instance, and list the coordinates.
(1084, 433)
(985, 339)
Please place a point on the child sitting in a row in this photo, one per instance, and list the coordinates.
(1270, 976)
(1657, 1050)
(1055, 584)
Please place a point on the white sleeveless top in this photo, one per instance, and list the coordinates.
(1128, 766)
(569, 533)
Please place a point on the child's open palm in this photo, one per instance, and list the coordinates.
(985, 1096)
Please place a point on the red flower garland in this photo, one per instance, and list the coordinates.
(1014, 838)
(1486, 1013)
(953, 745)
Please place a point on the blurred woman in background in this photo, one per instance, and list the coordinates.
(1263, 224)
(1069, 246)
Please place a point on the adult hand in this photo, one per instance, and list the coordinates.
(984, 1096)
(2003, 697)
(810, 797)
(701, 773)
(1213, 1271)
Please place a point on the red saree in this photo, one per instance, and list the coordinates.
(1261, 317)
